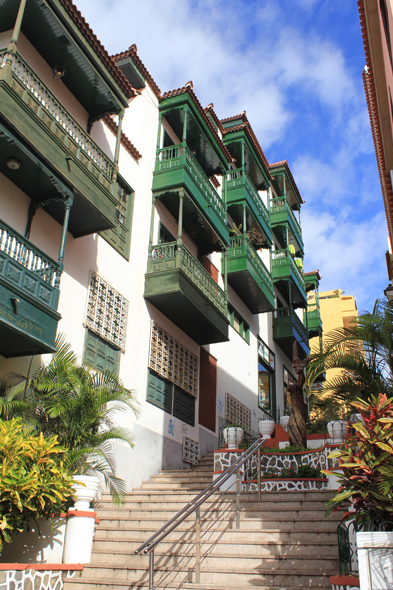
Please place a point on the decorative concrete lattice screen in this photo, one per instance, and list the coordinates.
(172, 360)
(190, 451)
(107, 312)
(237, 413)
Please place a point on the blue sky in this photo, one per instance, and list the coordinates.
(295, 67)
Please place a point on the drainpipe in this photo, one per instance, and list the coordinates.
(5, 73)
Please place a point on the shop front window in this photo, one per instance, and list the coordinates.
(266, 379)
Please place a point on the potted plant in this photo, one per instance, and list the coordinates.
(266, 426)
(233, 435)
(338, 430)
(35, 487)
(366, 461)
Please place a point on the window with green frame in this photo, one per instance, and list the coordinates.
(100, 354)
(120, 236)
(170, 398)
(238, 323)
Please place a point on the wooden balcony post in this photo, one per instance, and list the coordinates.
(224, 254)
(184, 137)
(117, 146)
(153, 211)
(180, 219)
(67, 210)
(244, 220)
(242, 144)
(5, 73)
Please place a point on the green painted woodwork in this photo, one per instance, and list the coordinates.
(56, 37)
(184, 406)
(178, 169)
(239, 189)
(248, 276)
(132, 73)
(200, 139)
(29, 294)
(238, 323)
(178, 285)
(159, 392)
(100, 354)
(312, 282)
(120, 236)
(238, 144)
(284, 270)
(314, 321)
(281, 216)
(41, 124)
(287, 327)
(284, 186)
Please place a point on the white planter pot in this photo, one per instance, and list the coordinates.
(284, 422)
(79, 537)
(41, 544)
(375, 555)
(266, 428)
(85, 493)
(338, 430)
(233, 436)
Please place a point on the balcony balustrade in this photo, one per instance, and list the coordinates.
(240, 188)
(248, 276)
(314, 321)
(178, 285)
(39, 118)
(281, 214)
(284, 269)
(29, 294)
(177, 167)
(287, 326)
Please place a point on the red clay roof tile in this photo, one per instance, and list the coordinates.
(131, 52)
(100, 50)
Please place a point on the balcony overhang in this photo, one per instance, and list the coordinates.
(233, 141)
(57, 36)
(46, 188)
(180, 288)
(200, 139)
(288, 328)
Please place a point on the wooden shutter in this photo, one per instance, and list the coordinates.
(100, 355)
(184, 406)
(159, 392)
(207, 390)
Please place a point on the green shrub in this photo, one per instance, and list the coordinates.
(33, 480)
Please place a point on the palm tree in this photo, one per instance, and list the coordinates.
(364, 353)
(79, 405)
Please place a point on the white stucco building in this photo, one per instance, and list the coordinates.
(183, 248)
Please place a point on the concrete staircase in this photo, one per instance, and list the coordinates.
(284, 540)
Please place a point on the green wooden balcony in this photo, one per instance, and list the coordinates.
(29, 294)
(314, 321)
(178, 286)
(285, 270)
(248, 276)
(41, 125)
(177, 169)
(281, 216)
(239, 190)
(288, 327)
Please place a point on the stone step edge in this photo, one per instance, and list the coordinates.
(219, 556)
(229, 542)
(186, 568)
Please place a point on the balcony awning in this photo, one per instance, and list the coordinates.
(45, 188)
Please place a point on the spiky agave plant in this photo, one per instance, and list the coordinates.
(79, 405)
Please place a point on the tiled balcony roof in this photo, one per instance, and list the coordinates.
(131, 52)
(94, 42)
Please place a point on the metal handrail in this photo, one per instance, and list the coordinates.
(194, 506)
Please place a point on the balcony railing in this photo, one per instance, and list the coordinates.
(313, 311)
(180, 156)
(288, 312)
(239, 177)
(244, 243)
(281, 205)
(181, 258)
(285, 258)
(50, 110)
(34, 272)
